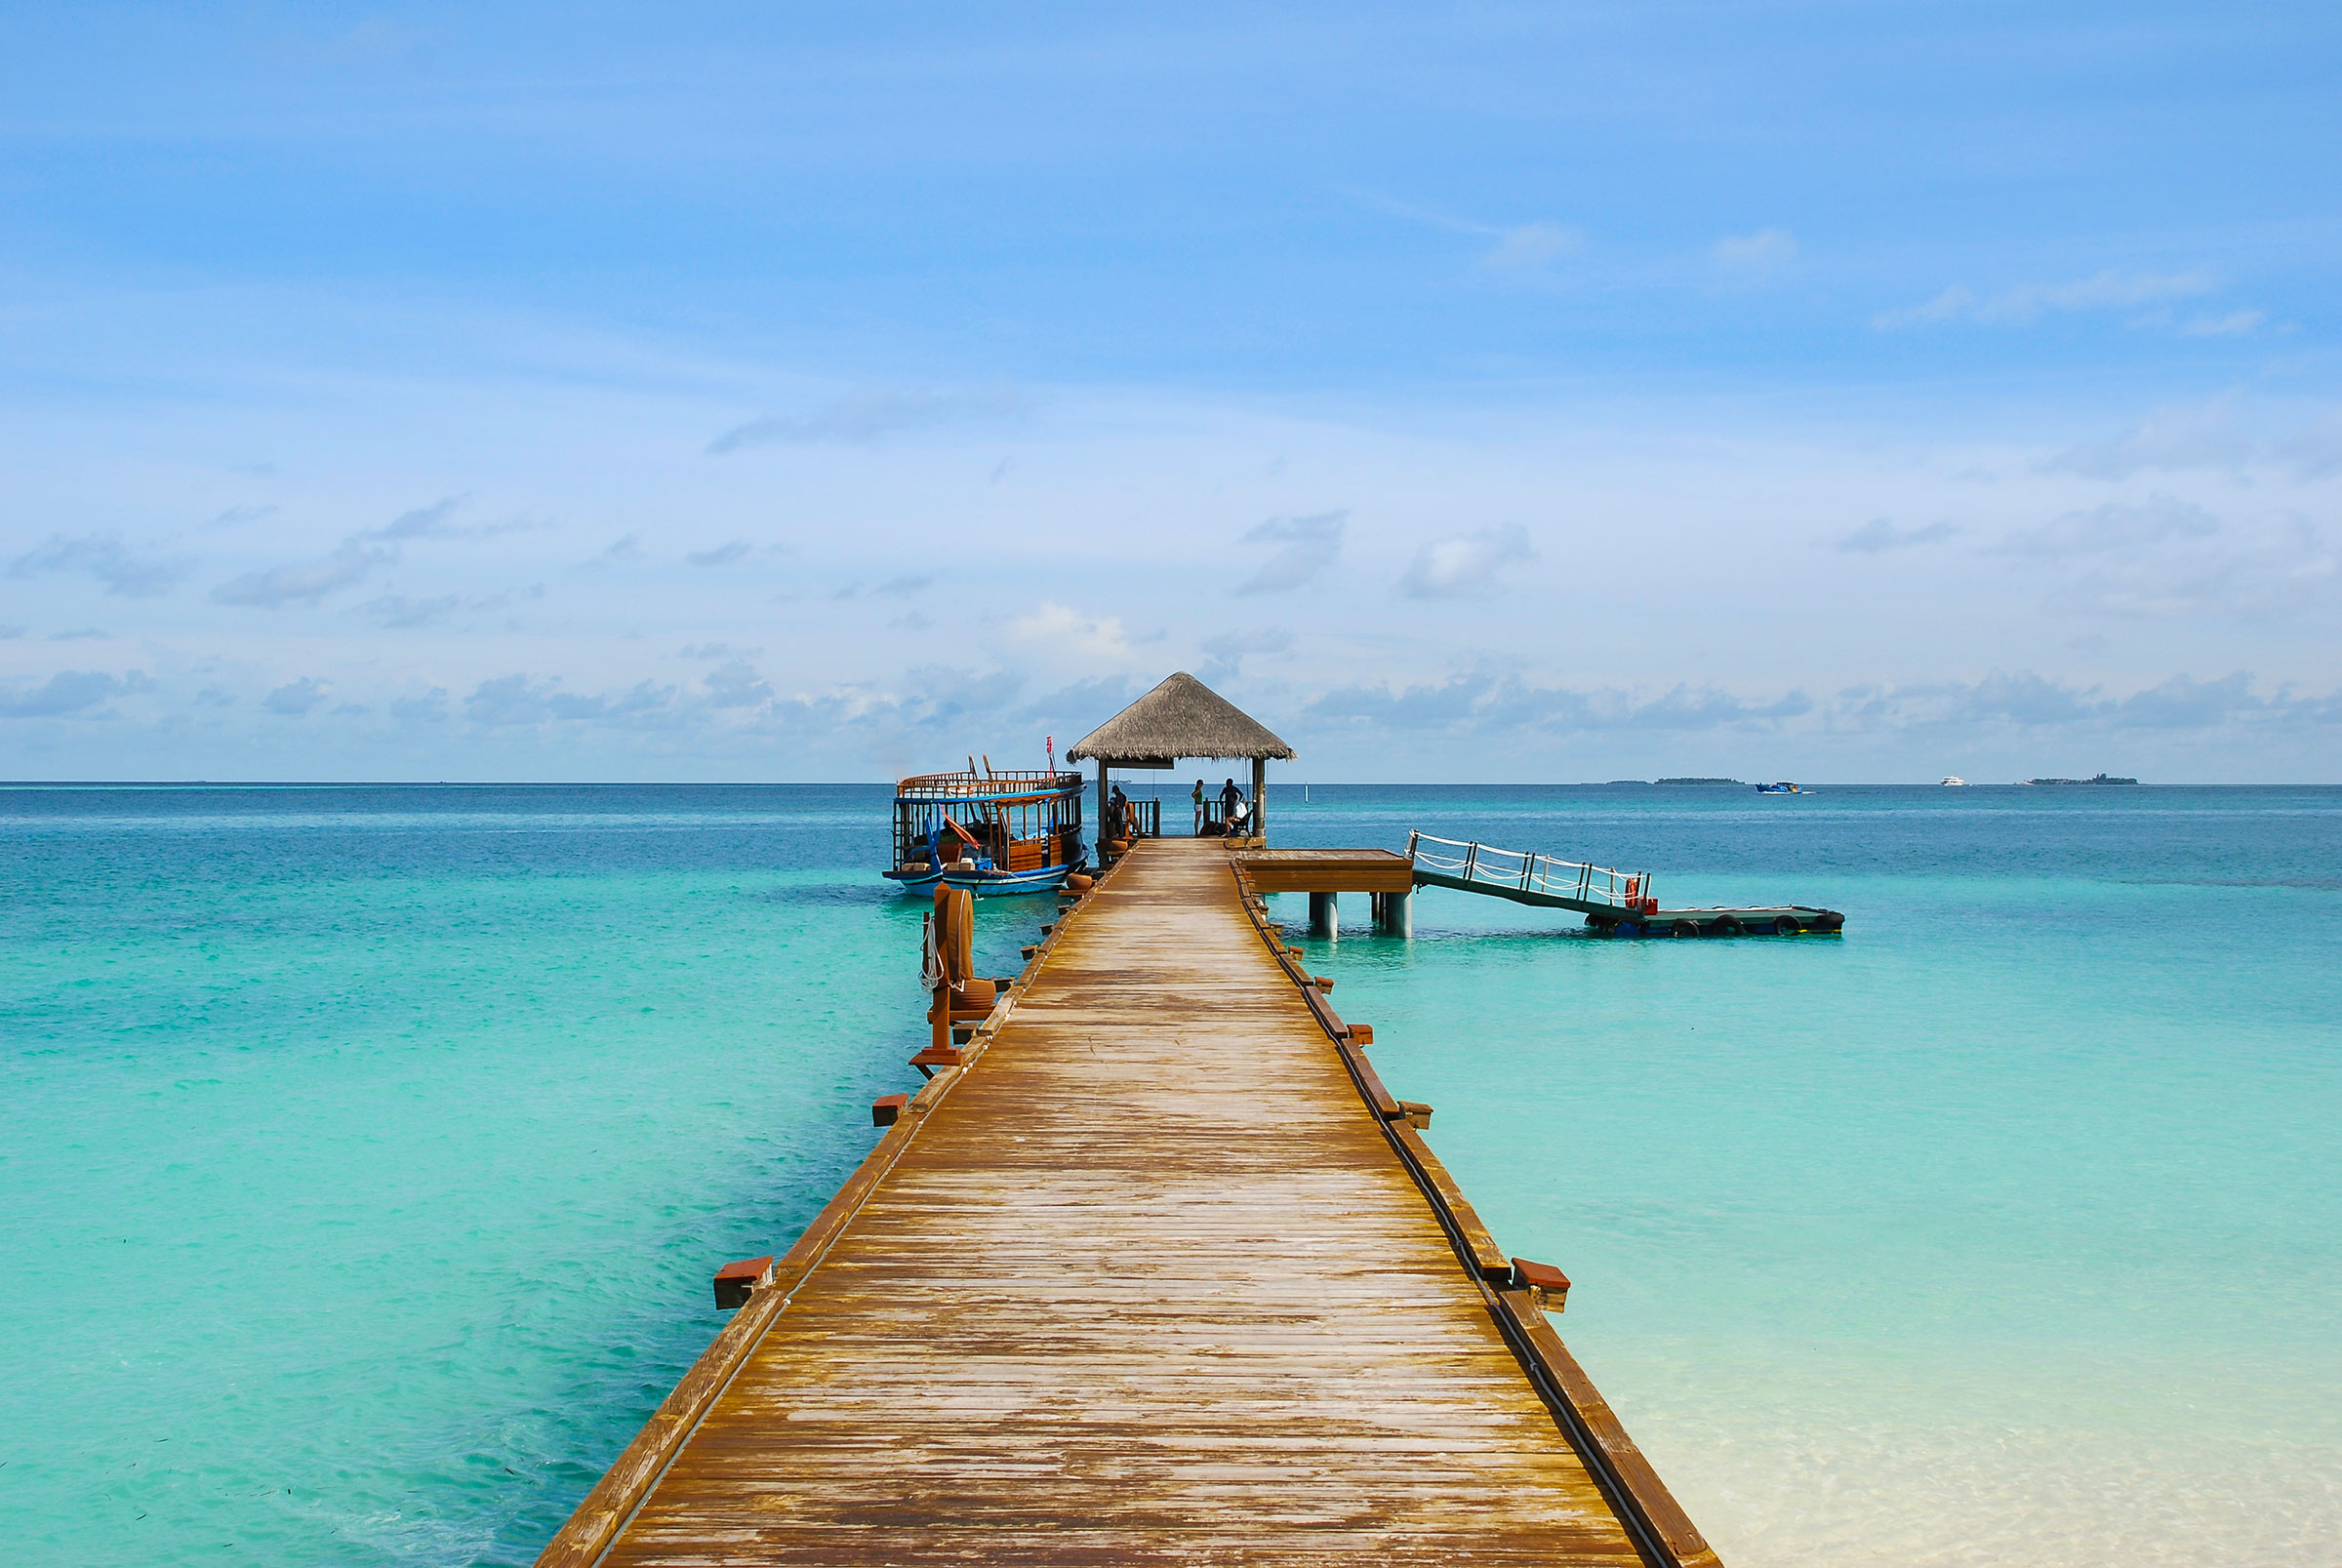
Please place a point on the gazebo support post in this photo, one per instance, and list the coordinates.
(1259, 801)
(1104, 831)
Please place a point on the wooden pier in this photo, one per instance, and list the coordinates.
(1159, 1273)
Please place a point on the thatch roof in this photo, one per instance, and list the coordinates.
(1183, 717)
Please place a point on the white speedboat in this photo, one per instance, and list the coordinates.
(1953, 780)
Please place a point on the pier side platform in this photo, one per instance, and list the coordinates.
(1148, 1278)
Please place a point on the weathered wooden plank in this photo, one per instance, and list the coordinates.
(1144, 1279)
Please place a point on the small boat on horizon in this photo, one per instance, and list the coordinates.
(1953, 780)
(992, 832)
(1784, 788)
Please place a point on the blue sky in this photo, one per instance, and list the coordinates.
(1558, 392)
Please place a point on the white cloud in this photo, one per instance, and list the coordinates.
(304, 581)
(2314, 451)
(1311, 544)
(422, 522)
(2112, 526)
(2260, 575)
(1879, 535)
(1467, 564)
(1768, 250)
(1482, 703)
(1061, 630)
(734, 683)
(1227, 652)
(352, 561)
(2200, 435)
(397, 612)
(1532, 247)
(2109, 290)
(105, 557)
(721, 555)
(2232, 325)
(870, 417)
(68, 691)
(297, 696)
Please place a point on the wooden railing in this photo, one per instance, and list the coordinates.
(1143, 819)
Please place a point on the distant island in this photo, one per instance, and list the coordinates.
(2101, 779)
(1738, 782)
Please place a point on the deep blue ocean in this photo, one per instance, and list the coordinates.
(364, 1151)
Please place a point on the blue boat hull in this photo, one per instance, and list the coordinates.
(985, 884)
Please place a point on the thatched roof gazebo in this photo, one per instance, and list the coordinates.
(1182, 718)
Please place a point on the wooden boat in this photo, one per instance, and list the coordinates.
(992, 832)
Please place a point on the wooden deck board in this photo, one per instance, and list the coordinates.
(1328, 870)
(1148, 1285)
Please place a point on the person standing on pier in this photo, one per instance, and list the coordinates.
(1199, 808)
(1231, 797)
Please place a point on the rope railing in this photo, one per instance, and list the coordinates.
(1527, 872)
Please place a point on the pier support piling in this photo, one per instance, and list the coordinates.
(1394, 913)
(1325, 915)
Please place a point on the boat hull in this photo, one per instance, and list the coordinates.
(985, 884)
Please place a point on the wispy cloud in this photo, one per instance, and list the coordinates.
(870, 417)
(2235, 324)
(422, 522)
(1227, 652)
(1767, 251)
(1465, 565)
(2195, 435)
(297, 696)
(279, 587)
(397, 613)
(721, 555)
(351, 562)
(2113, 526)
(2026, 701)
(1066, 631)
(1308, 547)
(428, 709)
(102, 556)
(1485, 703)
(1878, 536)
(734, 683)
(1531, 247)
(69, 691)
(509, 701)
(2110, 290)
(1516, 249)
(894, 588)
(2315, 451)
(2274, 571)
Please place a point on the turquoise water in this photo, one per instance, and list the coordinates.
(366, 1152)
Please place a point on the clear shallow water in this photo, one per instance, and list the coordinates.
(366, 1152)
